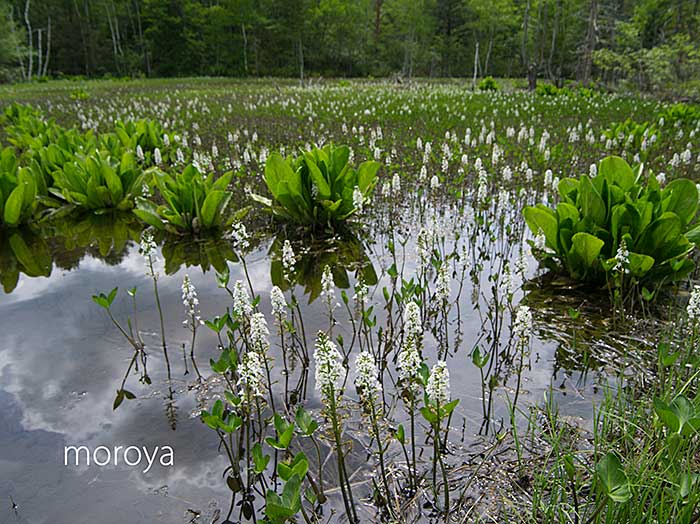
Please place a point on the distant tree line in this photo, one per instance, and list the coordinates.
(648, 43)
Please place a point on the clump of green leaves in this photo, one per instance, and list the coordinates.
(318, 188)
(616, 224)
(18, 191)
(687, 115)
(488, 83)
(549, 90)
(98, 182)
(193, 203)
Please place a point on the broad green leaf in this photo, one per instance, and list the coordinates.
(613, 478)
(542, 220)
(587, 247)
(13, 206)
(680, 196)
(617, 171)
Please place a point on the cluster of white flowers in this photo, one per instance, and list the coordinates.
(361, 292)
(149, 251)
(358, 199)
(251, 374)
(522, 327)
(279, 303)
(622, 258)
(434, 183)
(482, 189)
(241, 239)
(396, 185)
(139, 153)
(540, 241)
(328, 286)
(259, 332)
(438, 387)
(442, 286)
(329, 369)
(424, 245)
(507, 284)
(366, 379)
(241, 300)
(157, 158)
(191, 303)
(288, 258)
(413, 325)
(409, 360)
(693, 308)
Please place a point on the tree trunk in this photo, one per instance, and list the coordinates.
(377, 20)
(301, 62)
(114, 38)
(488, 53)
(48, 48)
(476, 65)
(39, 44)
(555, 29)
(82, 35)
(524, 47)
(144, 49)
(30, 63)
(23, 73)
(245, 49)
(586, 64)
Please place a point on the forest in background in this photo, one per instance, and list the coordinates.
(649, 44)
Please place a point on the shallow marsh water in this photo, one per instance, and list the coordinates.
(62, 360)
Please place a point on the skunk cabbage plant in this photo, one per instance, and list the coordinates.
(193, 202)
(617, 222)
(318, 188)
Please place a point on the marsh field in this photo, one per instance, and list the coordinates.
(356, 301)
